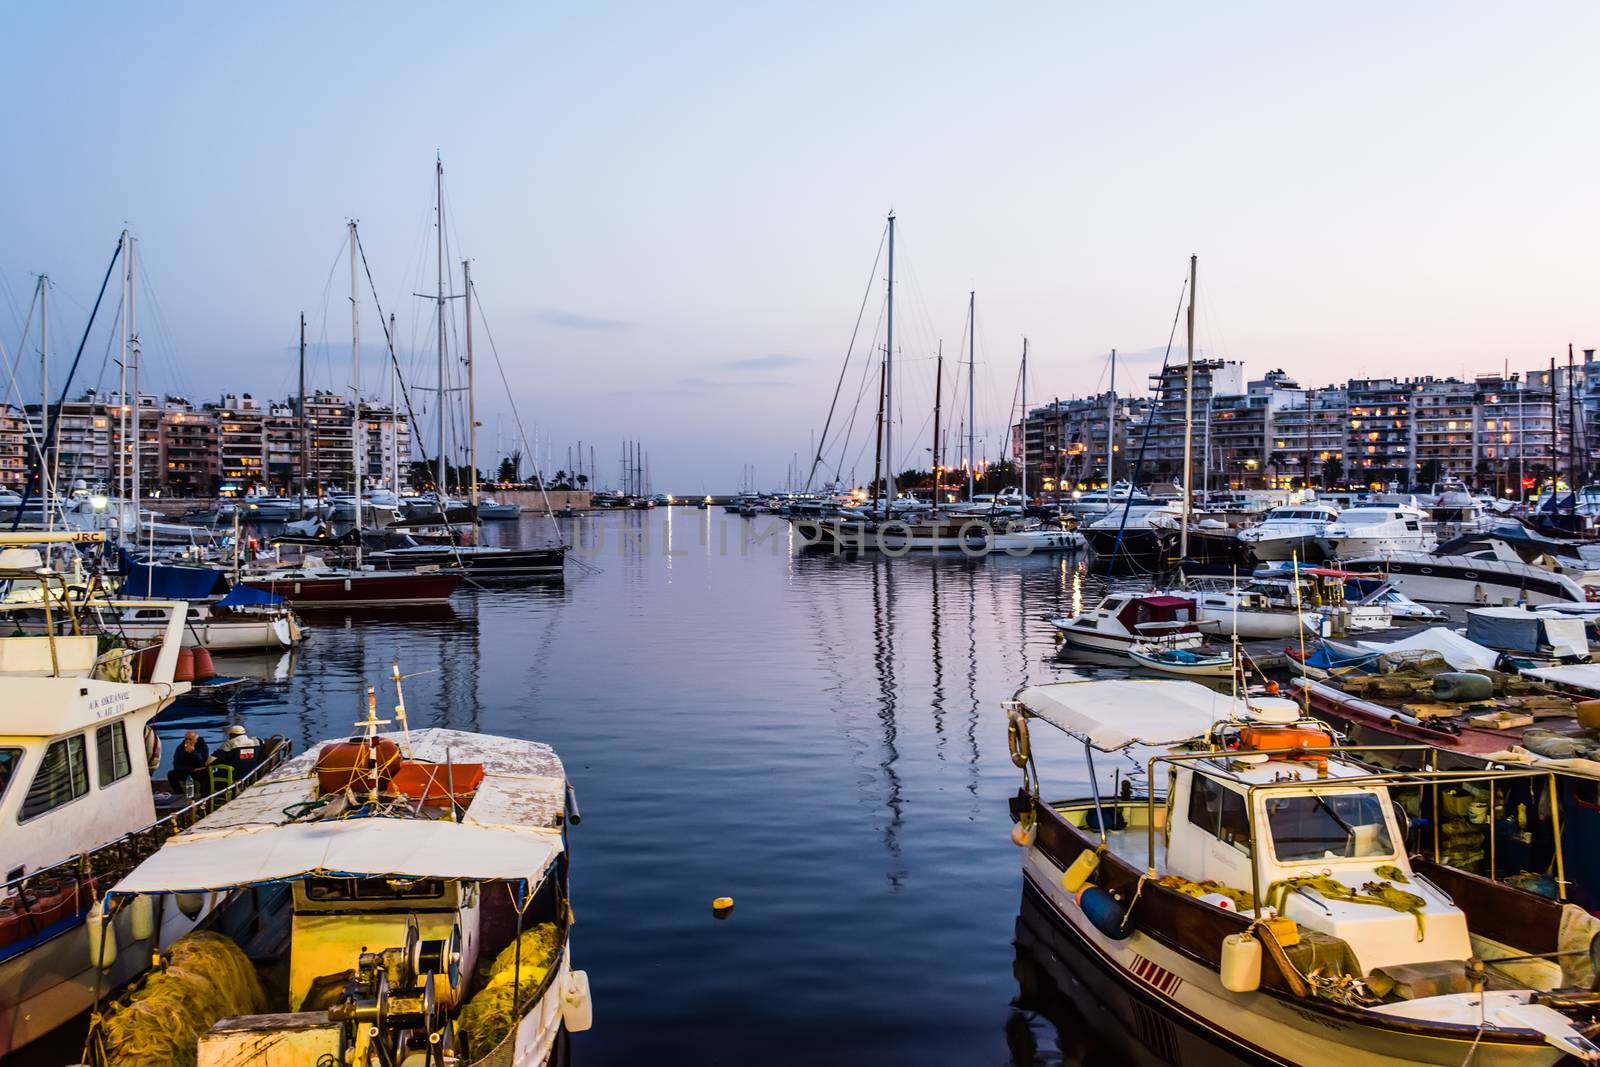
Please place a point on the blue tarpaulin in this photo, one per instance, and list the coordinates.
(248, 596)
(167, 582)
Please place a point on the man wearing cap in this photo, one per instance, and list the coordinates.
(188, 762)
(237, 752)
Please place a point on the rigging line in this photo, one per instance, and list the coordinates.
(1144, 439)
(22, 344)
(163, 332)
(37, 466)
(384, 322)
(872, 279)
(516, 416)
(861, 392)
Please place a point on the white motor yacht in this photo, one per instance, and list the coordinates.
(1289, 532)
(1377, 530)
(1482, 569)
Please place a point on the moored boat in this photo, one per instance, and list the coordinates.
(394, 868)
(1270, 900)
(314, 585)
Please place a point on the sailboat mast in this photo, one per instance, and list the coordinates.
(1111, 431)
(1188, 420)
(472, 409)
(438, 225)
(44, 392)
(133, 344)
(972, 409)
(305, 462)
(394, 412)
(888, 379)
(1024, 442)
(122, 389)
(357, 432)
(938, 397)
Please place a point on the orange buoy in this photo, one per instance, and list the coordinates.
(721, 907)
(203, 667)
(185, 666)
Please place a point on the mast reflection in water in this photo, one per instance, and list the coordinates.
(819, 737)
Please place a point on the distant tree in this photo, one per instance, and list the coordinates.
(561, 480)
(583, 481)
(1332, 471)
(511, 468)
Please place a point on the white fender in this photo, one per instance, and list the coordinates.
(577, 1009)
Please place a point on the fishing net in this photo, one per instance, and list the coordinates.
(208, 978)
(490, 1014)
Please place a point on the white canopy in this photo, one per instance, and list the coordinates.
(1581, 677)
(1460, 653)
(401, 848)
(1114, 714)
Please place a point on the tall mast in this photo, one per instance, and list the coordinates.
(1111, 430)
(972, 410)
(122, 390)
(394, 412)
(938, 397)
(1024, 442)
(1188, 421)
(438, 225)
(133, 344)
(305, 461)
(888, 381)
(44, 392)
(1555, 435)
(1572, 431)
(472, 409)
(357, 431)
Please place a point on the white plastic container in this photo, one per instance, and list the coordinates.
(1241, 963)
(102, 937)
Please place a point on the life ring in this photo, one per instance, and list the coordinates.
(1017, 739)
(152, 748)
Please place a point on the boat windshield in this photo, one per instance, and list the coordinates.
(1365, 518)
(1328, 826)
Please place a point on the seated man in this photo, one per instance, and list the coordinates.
(238, 752)
(188, 762)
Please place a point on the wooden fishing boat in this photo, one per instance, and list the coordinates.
(1264, 892)
(382, 873)
(1181, 661)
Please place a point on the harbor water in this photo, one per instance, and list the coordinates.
(820, 738)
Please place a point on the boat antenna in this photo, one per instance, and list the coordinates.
(371, 724)
(400, 705)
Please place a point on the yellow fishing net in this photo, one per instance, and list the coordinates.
(208, 978)
(490, 1014)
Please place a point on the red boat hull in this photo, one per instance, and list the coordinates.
(372, 589)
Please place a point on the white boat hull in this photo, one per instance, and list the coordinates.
(1204, 669)
(1085, 638)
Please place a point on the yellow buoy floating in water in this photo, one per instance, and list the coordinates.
(721, 907)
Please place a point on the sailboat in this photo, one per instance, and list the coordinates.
(312, 582)
(437, 540)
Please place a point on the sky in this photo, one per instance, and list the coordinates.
(674, 211)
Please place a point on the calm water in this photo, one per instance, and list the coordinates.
(820, 738)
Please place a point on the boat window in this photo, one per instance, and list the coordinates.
(1220, 812)
(9, 759)
(111, 753)
(1412, 525)
(325, 890)
(61, 779)
(1328, 826)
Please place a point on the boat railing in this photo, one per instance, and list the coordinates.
(1429, 776)
(97, 868)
